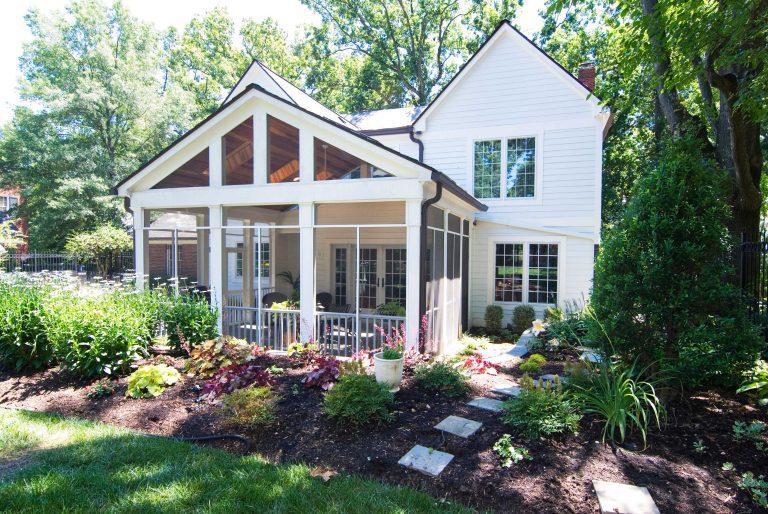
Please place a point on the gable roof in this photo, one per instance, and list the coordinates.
(257, 70)
(505, 25)
(435, 175)
(386, 119)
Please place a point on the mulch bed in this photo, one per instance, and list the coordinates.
(557, 480)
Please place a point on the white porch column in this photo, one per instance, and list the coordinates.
(217, 260)
(307, 269)
(260, 147)
(306, 156)
(139, 251)
(412, 271)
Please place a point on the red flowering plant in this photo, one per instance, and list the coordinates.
(394, 342)
(475, 365)
(236, 376)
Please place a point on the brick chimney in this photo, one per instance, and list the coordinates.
(587, 75)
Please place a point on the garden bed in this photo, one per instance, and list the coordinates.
(558, 479)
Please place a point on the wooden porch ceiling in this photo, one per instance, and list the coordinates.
(193, 173)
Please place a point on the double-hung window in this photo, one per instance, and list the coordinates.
(505, 168)
(264, 259)
(526, 272)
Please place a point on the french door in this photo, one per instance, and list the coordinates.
(382, 275)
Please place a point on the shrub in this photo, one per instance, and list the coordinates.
(533, 363)
(620, 398)
(508, 453)
(522, 318)
(443, 378)
(359, 400)
(104, 245)
(236, 376)
(251, 407)
(391, 309)
(542, 410)
(206, 359)
(493, 318)
(23, 337)
(188, 318)
(97, 336)
(661, 286)
(758, 382)
(325, 374)
(101, 389)
(151, 380)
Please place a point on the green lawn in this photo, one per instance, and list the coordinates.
(53, 464)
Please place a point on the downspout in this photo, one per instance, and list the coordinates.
(419, 142)
(423, 261)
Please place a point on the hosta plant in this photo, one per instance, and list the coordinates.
(151, 380)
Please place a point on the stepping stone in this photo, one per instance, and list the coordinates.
(487, 404)
(509, 391)
(624, 498)
(426, 460)
(461, 427)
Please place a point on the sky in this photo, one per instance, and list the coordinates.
(164, 13)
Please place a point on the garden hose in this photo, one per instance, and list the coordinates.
(204, 438)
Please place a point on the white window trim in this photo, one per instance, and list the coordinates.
(538, 137)
(526, 241)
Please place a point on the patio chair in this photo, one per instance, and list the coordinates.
(268, 299)
(324, 299)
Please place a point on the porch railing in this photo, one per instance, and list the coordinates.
(335, 332)
(235, 298)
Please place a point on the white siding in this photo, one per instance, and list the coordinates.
(575, 267)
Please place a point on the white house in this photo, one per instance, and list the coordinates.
(490, 194)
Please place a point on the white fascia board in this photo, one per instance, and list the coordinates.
(537, 228)
(335, 191)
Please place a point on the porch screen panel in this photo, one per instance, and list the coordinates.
(283, 151)
(237, 154)
(193, 173)
(435, 277)
(332, 163)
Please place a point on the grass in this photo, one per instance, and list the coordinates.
(81, 466)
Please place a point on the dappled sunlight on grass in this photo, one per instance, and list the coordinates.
(94, 467)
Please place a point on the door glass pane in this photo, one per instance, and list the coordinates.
(394, 277)
(368, 276)
(509, 273)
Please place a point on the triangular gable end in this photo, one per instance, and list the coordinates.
(505, 30)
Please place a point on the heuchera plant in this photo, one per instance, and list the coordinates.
(393, 342)
(237, 376)
(325, 374)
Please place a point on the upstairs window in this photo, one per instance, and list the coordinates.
(516, 156)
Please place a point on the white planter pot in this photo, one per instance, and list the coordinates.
(388, 371)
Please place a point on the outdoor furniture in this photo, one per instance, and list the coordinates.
(270, 298)
(324, 299)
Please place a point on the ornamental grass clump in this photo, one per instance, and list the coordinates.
(358, 399)
(621, 398)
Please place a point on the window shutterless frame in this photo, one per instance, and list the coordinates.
(538, 139)
(526, 242)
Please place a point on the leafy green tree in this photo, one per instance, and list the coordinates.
(104, 245)
(96, 106)
(419, 43)
(660, 279)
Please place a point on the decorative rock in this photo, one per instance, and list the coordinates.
(426, 460)
(591, 357)
(509, 391)
(461, 427)
(624, 498)
(487, 404)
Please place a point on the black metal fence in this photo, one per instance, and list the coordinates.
(41, 261)
(753, 274)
